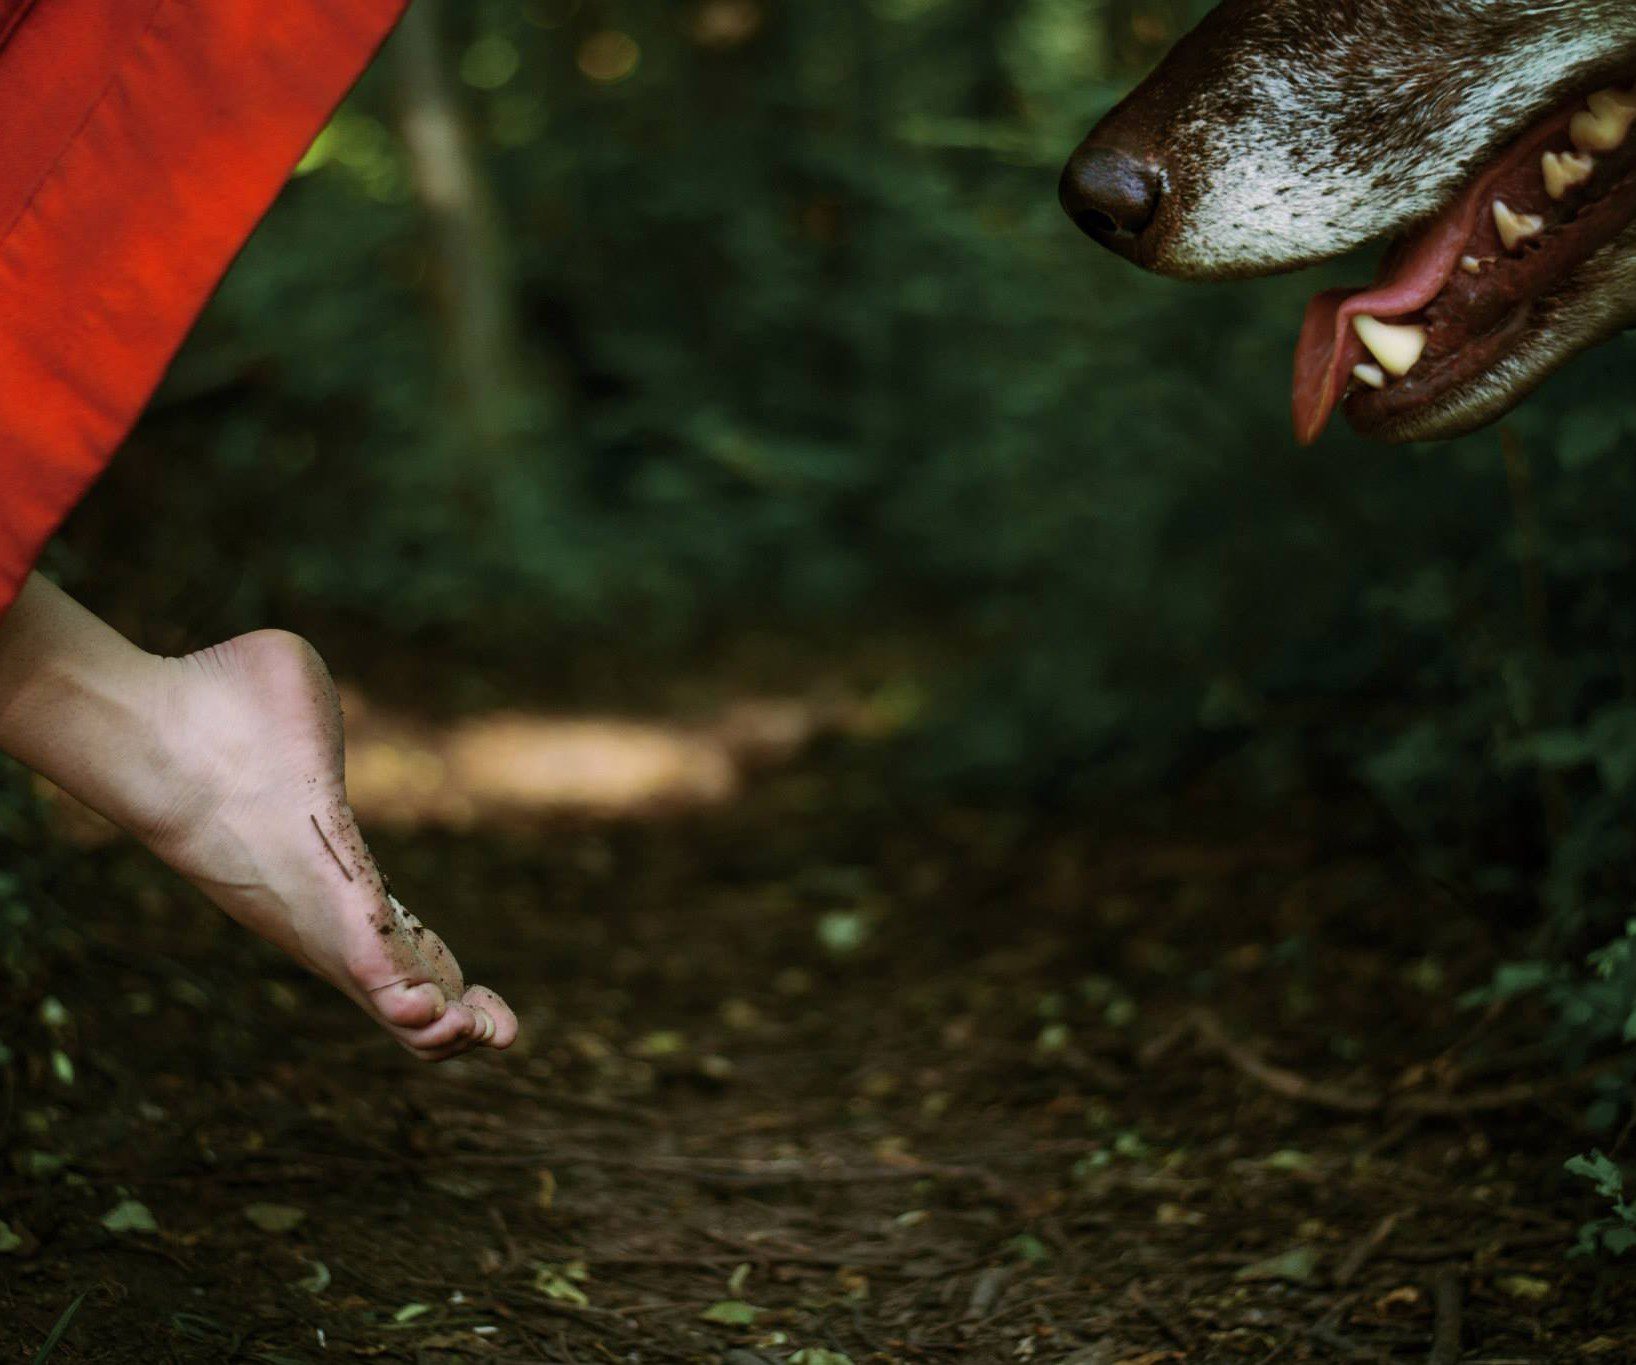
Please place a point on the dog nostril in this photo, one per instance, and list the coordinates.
(1109, 193)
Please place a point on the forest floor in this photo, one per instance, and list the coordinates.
(809, 1077)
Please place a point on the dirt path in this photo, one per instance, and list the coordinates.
(809, 1080)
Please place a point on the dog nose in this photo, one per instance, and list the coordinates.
(1111, 195)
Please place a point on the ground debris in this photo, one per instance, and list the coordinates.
(947, 1143)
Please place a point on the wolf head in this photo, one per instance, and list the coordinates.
(1280, 133)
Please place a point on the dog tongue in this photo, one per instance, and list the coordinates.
(1412, 275)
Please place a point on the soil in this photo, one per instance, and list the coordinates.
(811, 1077)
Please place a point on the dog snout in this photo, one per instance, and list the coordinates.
(1111, 195)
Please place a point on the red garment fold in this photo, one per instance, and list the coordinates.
(144, 139)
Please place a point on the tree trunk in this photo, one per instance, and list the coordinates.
(473, 270)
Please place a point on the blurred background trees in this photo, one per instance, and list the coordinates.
(638, 327)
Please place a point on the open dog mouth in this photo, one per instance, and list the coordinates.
(1458, 294)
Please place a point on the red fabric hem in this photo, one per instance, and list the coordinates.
(150, 147)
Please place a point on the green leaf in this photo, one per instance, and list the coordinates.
(1299, 1265)
(38, 1165)
(1619, 1240)
(317, 1282)
(842, 932)
(814, 1355)
(1030, 1248)
(557, 1285)
(129, 1216)
(731, 1313)
(275, 1218)
(50, 1343)
(410, 1311)
(662, 1043)
(9, 1240)
(1610, 1180)
(1527, 1287)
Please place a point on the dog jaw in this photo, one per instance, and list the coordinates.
(1593, 307)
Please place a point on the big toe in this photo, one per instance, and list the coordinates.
(496, 1022)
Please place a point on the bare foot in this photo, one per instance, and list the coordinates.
(250, 805)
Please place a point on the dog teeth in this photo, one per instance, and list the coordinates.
(1606, 124)
(1471, 265)
(1564, 170)
(1397, 346)
(1372, 375)
(1516, 228)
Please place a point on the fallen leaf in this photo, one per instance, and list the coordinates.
(1296, 1266)
(1030, 1248)
(662, 1043)
(410, 1311)
(38, 1165)
(459, 1186)
(275, 1218)
(731, 1313)
(559, 1287)
(317, 1282)
(814, 1355)
(1523, 1287)
(129, 1216)
(9, 1240)
(842, 932)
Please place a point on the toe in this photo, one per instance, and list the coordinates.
(409, 1005)
(502, 1023)
(458, 1026)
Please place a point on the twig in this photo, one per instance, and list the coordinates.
(1448, 1294)
(1354, 1259)
(1288, 1084)
(1172, 1329)
(1293, 1086)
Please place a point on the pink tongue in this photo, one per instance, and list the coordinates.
(1411, 277)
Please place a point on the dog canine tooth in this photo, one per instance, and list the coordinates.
(1471, 265)
(1372, 375)
(1516, 228)
(1606, 124)
(1564, 170)
(1397, 346)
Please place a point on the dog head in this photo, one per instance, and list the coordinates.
(1489, 137)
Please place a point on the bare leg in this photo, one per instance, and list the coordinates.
(228, 765)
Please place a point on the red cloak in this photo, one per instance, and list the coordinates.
(140, 143)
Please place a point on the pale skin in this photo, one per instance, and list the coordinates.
(227, 764)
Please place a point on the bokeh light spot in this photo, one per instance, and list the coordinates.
(490, 62)
(608, 56)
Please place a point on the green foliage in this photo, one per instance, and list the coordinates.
(1616, 1233)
